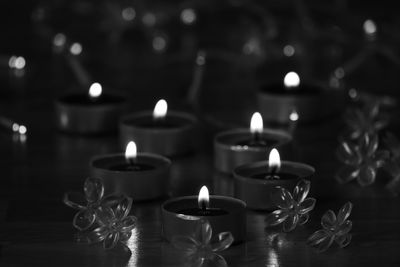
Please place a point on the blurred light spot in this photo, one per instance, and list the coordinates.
(76, 49)
(369, 27)
(294, 116)
(128, 13)
(95, 90)
(291, 80)
(288, 50)
(201, 58)
(15, 127)
(353, 93)
(22, 129)
(16, 62)
(339, 73)
(252, 46)
(334, 82)
(159, 43)
(188, 16)
(59, 39)
(149, 19)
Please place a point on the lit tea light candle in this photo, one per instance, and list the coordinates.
(179, 215)
(93, 112)
(141, 176)
(239, 146)
(311, 101)
(254, 182)
(161, 131)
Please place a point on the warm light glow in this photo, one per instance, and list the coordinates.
(204, 197)
(369, 27)
(294, 116)
(160, 110)
(59, 39)
(95, 90)
(274, 161)
(288, 50)
(128, 13)
(149, 19)
(159, 43)
(291, 80)
(16, 62)
(76, 49)
(256, 123)
(188, 16)
(21, 129)
(131, 151)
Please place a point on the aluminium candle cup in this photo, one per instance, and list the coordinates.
(76, 113)
(175, 223)
(311, 102)
(228, 154)
(140, 185)
(256, 192)
(175, 135)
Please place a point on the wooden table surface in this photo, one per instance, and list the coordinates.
(36, 228)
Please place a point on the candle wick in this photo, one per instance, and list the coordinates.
(273, 173)
(132, 161)
(256, 137)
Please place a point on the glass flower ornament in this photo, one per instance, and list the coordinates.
(334, 228)
(392, 166)
(86, 203)
(361, 160)
(200, 249)
(293, 208)
(114, 224)
(365, 120)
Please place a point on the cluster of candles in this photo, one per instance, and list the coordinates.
(242, 153)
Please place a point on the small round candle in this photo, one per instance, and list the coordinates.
(255, 181)
(92, 113)
(237, 147)
(277, 101)
(141, 176)
(225, 214)
(163, 132)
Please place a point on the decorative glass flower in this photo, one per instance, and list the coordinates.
(199, 248)
(392, 166)
(367, 120)
(114, 224)
(335, 228)
(294, 208)
(361, 160)
(87, 204)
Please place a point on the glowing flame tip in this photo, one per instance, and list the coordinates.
(274, 160)
(131, 151)
(204, 197)
(256, 123)
(160, 109)
(291, 80)
(95, 90)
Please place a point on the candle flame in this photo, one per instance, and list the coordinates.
(369, 27)
(256, 123)
(160, 109)
(274, 161)
(204, 198)
(294, 116)
(131, 151)
(95, 90)
(291, 80)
